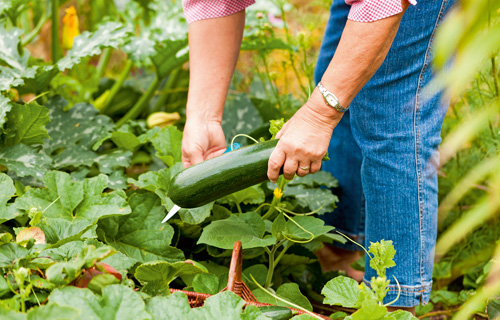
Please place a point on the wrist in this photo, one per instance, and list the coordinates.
(203, 113)
(318, 104)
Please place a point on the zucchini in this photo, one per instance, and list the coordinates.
(214, 178)
(276, 313)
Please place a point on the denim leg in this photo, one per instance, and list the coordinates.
(345, 155)
(395, 130)
(398, 131)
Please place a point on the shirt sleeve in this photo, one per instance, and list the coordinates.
(372, 10)
(195, 10)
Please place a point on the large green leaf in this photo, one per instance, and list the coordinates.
(370, 309)
(251, 195)
(310, 228)
(206, 283)
(154, 181)
(24, 161)
(76, 133)
(170, 54)
(7, 191)
(287, 291)
(5, 107)
(17, 69)
(26, 124)
(342, 291)
(225, 305)
(319, 179)
(117, 302)
(141, 235)
(248, 228)
(64, 272)
(53, 311)
(10, 253)
(240, 116)
(70, 208)
(156, 276)
(167, 142)
(109, 34)
(315, 199)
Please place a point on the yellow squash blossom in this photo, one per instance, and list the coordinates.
(278, 193)
(71, 28)
(162, 119)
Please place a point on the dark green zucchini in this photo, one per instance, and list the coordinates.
(276, 312)
(220, 176)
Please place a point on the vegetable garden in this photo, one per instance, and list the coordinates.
(91, 117)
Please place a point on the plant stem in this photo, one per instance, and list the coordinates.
(270, 270)
(239, 207)
(117, 85)
(494, 71)
(282, 253)
(30, 36)
(103, 62)
(141, 104)
(276, 201)
(55, 30)
(274, 88)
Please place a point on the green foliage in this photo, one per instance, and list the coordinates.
(247, 228)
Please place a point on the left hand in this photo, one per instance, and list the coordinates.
(303, 140)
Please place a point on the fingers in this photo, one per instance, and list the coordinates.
(275, 163)
(315, 166)
(290, 168)
(191, 157)
(303, 169)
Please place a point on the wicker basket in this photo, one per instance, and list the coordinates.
(234, 284)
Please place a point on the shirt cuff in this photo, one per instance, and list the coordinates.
(373, 10)
(195, 10)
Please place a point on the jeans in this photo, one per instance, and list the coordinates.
(384, 152)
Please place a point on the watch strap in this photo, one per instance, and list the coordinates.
(330, 98)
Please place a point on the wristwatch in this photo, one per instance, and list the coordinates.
(331, 99)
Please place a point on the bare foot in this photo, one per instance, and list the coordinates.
(332, 258)
(409, 309)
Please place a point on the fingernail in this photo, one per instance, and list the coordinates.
(274, 181)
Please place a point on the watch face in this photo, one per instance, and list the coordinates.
(331, 100)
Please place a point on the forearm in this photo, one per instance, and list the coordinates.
(214, 45)
(361, 50)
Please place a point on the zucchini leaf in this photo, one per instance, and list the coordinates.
(71, 208)
(7, 191)
(249, 228)
(156, 276)
(225, 305)
(141, 235)
(117, 302)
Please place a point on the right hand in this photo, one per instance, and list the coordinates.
(202, 140)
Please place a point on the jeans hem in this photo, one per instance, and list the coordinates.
(410, 296)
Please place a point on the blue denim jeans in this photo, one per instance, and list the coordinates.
(383, 151)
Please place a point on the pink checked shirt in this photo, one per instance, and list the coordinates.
(361, 10)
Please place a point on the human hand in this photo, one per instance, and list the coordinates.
(202, 140)
(304, 140)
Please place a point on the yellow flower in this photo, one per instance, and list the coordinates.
(278, 193)
(162, 119)
(71, 28)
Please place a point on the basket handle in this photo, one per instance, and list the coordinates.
(235, 268)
